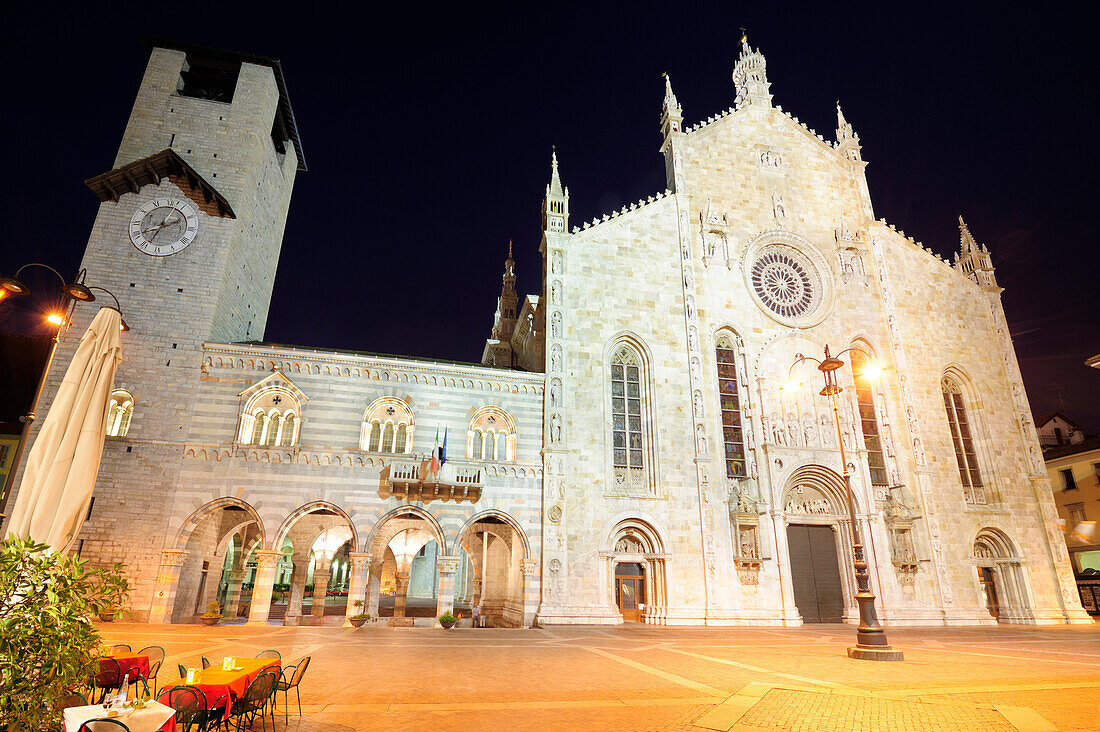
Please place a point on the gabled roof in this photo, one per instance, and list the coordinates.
(1061, 451)
(1043, 419)
(276, 380)
(132, 177)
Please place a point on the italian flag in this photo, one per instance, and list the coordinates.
(435, 452)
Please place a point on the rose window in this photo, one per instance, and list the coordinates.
(785, 281)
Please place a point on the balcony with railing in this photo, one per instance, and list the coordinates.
(412, 479)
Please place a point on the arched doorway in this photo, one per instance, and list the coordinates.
(818, 527)
(319, 537)
(636, 569)
(1002, 586)
(491, 551)
(216, 540)
(404, 573)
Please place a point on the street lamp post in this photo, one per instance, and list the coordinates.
(75, 291)
(871, 643)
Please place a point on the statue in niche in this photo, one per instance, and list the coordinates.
(918, 451)
(555, 293)
(698, 402)
(555, 358)
(903, 546)
(748, 542)
(693, 339)
(808, 430)
(779, 208)
(700, 439)
(689, 305)
(555, 428)
(555, 325)
(828, 437)
(793, 433)
(709, 245)
(555, 263)
(779, 431)
(555, 392)
(696, 369)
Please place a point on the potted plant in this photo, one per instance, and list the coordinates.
(360, 617)
(447, 621)
(212, 615)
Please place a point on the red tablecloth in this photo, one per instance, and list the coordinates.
(131, 663)
(216, 683)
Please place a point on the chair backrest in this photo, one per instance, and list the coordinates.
(155, 654)
(183, 670)
(270, 653)
(103, 725)
(205, 662)
(119, 648)
(110, 673)
(260, 690)
(72, 699)
(299, 671)
(186, 700)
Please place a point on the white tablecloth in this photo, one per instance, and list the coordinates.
(148, 719)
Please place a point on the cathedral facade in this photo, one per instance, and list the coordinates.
(644, 441)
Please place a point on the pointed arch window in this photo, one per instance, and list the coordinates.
(865, 400)
(729, 400)
(119, 413)
(962, 438)
(626, 410)
(387, 427)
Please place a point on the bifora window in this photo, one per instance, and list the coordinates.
(865, 399)
(729, 399)
(119, 413)
(626, 410)
(963, 440)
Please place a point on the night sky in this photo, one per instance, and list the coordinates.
(428, 138)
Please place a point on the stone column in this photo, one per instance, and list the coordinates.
(320, 589)
(401, 581)
(235, 578)
(445, 591)
(357, 584)
(266, 562)
(374, 589)
(297, 589)
(164, 594)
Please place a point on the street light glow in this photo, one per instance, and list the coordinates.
(872, 370)
(55, 319)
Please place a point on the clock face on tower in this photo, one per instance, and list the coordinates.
(164, 226)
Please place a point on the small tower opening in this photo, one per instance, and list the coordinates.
(209, 78)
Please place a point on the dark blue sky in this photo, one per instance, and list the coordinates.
(428, 137)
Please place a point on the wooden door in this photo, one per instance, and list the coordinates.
(630, 591)
(815, 573)
(989, 591)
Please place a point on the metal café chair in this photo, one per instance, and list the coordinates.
(103, 725)
(270, 653)
(205, 662)
(156, 658)
(255, 701)
(285, 685)
(119, 648)
(183, 670)
(190, 705)
(109, 677)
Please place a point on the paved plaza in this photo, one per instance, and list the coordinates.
(638, 677)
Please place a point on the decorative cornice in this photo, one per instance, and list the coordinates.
(132, 177)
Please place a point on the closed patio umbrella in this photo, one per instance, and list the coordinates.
(62, 466)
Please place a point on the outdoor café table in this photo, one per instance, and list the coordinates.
(154, 716)
(130, 663)
(216, 683)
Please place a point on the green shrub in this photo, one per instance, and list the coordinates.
(47, 642)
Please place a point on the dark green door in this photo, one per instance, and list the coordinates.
(815, 573)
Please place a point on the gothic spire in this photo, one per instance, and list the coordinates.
(504, 320)
(847, 141)
(672, 115)
(555, 206)
(974, 261)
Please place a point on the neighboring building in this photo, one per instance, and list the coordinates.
(623, 453)
(1057, 429)
(1074, 471)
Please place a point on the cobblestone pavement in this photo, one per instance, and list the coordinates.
(649, 678)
